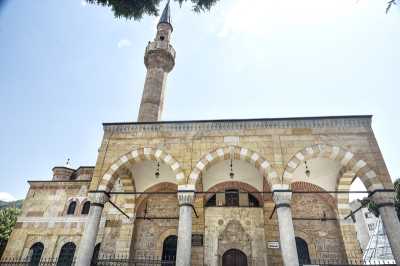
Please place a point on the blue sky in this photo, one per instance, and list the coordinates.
(66, 67)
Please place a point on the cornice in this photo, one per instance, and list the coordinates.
(240, 124)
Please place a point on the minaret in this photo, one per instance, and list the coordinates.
(159, 59)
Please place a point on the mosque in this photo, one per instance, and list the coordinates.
(209, 192)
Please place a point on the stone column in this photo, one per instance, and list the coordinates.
(282, 201)
(385, 203)
(184, 249)
(88, 240)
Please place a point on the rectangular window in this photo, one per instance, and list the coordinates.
(232, 197)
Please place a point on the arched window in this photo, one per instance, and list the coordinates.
(71, 208)
(35, 253)
(253, 201)
(86, 207)
(95, 256)
(67, 253)
(302, 251)
(169, 248)
(212, 202)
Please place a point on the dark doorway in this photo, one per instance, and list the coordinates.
(302, 251)
(169, 249)
(234, 257)
(95, 256)
(35, 253)
(66, 254)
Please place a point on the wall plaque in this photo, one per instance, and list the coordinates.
(197, 240)
(273, 244)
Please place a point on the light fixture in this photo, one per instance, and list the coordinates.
(231, 174)
(308, 172)
(157, 173)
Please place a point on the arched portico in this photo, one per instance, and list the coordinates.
(348, 168)
(124, 169)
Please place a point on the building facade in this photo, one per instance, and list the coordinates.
(218, 192)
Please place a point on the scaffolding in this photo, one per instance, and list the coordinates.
(378, 250)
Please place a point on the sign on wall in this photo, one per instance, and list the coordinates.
(197, 240)
(273, 244)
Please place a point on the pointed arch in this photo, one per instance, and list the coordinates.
(107, 181)
(237, 153)
(347, 160)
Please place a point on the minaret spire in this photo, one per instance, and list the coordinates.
(159, 59)
(166, 15)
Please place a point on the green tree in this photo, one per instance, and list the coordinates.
(8, 218)
(137, 8)
(372, 207)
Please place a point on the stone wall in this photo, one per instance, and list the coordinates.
(44, 219)
(324, 238)
(234, 228)
(150, 233)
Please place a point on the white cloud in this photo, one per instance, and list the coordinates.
(83, 3)
(4, 196)
(124, 43)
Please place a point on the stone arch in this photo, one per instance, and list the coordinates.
(347, 159)
(351, 167)
(238, 153)
(107, 181)
(163, 236)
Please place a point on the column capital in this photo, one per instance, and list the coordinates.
(98, 197)
(383, 197)
(281, 195)
(186, 194)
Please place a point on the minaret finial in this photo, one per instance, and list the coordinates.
(166, 15)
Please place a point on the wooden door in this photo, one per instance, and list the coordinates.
(234, 257)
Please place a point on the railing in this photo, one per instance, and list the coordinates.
(101, 261)
(170, 261)
(159, 45)
(350, 262)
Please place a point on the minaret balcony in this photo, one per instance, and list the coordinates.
(160, 45)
